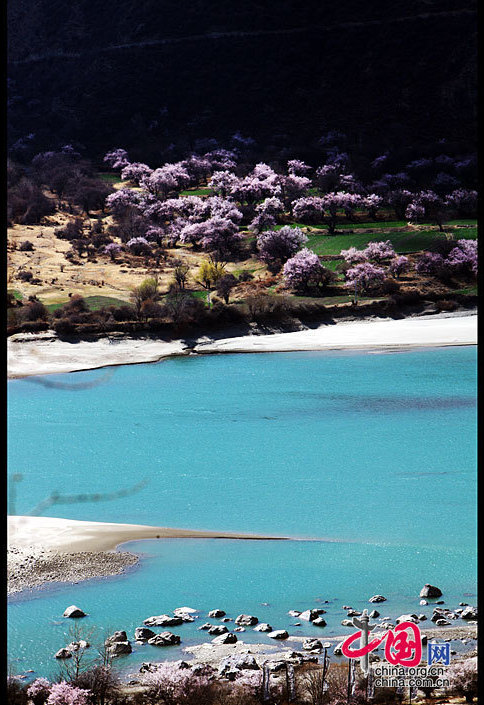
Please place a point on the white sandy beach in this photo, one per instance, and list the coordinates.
(407, 332)
(41, 354)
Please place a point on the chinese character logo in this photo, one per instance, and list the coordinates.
(438, 653)
(401, 648)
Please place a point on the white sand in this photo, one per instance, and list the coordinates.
(407, 332)
(43, 353)
(69, 535)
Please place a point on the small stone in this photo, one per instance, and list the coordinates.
(164, 639)
(374, 614)
(377, 598)
(63, 653)
(218, 629)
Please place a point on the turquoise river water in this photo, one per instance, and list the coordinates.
(377, 451)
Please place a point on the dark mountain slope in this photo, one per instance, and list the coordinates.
(149, 73)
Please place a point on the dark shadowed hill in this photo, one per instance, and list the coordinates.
(145, 74)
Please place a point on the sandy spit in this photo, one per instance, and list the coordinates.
(43, 353)
(48, 549)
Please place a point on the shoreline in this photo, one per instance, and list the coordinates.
(50, 549)
(33, 354)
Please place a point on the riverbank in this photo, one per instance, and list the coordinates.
(50, 549)
(43, 353)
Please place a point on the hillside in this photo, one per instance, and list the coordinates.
(151, 74)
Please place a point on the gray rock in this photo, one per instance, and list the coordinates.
(164, 639)
(63, 653)
(430, 591)
(319, 622)
(239, 629)
(119, 648)
(293, 613)
(374, 614)
(311, 644)
(263, 627)
(463, 604)
(227, 619)
(246, 620)
(469, 613)
(377, 598)
(215, 614)
(179, 611)
(116, 637)
(74, 612)
(337, 649)
(347, 623)
(422, 617)
(278, 634)
(237, 663)
(424, 602)
(407, 618)
(353, 613)
(207, 625)
(218, 629)
(309, 615)
(442, 623)
(143, 634)
(228, 638)
(77, 645)
(163, 620)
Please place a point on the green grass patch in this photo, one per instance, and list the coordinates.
(94, 303)
(470, 290)
(16, 294)
(109, 178)
(203, 191)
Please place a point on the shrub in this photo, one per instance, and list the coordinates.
(64, 326)
(26, 246)
(25, 275)
(35, 311)
(27, 204)
(101, 681)
(16, 693)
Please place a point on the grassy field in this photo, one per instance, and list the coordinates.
(108, 177)
(410, 241)
(94, 303)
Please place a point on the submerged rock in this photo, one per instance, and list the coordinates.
(377, 598)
